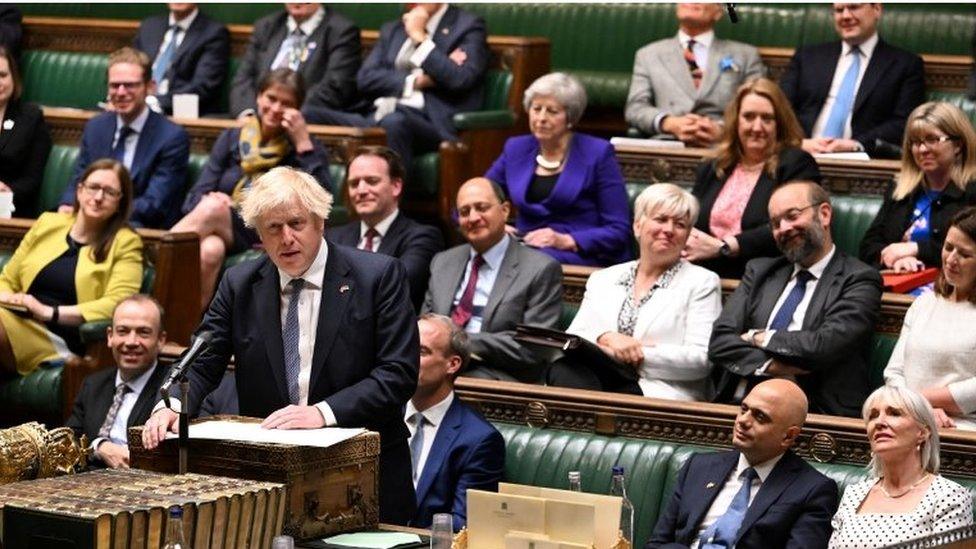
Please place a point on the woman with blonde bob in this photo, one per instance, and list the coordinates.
(654, 314)
(938, 167)
(934, 353)
(906, 498)
(759, 151)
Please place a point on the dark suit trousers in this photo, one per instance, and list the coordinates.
(408, 130)
(396, 482)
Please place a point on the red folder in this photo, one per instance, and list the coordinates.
(901, 283)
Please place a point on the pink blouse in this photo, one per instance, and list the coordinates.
(726, 218)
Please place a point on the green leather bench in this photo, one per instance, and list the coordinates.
(544, 457)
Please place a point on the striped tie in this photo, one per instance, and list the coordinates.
(693, 68)
(113, 411)
(290, 339)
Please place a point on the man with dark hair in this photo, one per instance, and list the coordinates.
(190, 54)
(453, 448)
(856, 93)
(808, 315)
(314, 40)
(114, 399)
(374, 181)
(153, 149)
(758, 495)
(493, 283)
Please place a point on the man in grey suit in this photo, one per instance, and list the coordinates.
(807, 315)
(493, 283)
(681, 85)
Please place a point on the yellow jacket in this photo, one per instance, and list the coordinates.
(100, 286)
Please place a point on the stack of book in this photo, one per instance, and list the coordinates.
(126, 508)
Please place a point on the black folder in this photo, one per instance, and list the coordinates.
(555, 344)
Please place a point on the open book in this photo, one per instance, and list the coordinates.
(554, 344)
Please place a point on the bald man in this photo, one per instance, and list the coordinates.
(758, 495)
(493, 283)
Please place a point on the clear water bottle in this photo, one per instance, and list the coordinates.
(174, 530)
(574, 482)
(617, 488)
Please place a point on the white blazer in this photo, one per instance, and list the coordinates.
(674, 326)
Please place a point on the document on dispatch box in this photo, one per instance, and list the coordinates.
(252, 432)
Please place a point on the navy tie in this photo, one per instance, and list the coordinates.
(786, 311)
(724, 532)
(118, 151)
(290, 339)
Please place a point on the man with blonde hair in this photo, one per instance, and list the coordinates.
(348, 351)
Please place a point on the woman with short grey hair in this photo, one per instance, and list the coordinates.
(566, 186)
(655, 314)
(906, 498)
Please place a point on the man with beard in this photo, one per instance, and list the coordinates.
(807, 316)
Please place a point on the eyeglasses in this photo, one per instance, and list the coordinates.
(930, 140)
(127, 85)
(791, 215)
(95, 188)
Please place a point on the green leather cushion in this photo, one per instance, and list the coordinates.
(36, 396)
(958, 99)
(567, 314)
(853, 215)
(65, 79)
(57, 175)
(881, 347)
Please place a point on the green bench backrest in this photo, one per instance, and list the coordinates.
(57, 175)
(65, 79)
(853, 215)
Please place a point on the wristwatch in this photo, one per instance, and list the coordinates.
(725, 250)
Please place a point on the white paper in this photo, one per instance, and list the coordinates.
(863, 156)
(186, 105)
(646, 143)
(373, 540)
(252, 432)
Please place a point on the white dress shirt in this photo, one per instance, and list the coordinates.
(817, 270)
(486, 281)
(731, 487)
(417, 53)
(163, 87)
(132, 140)
(434, 416)
(381, 228)
(307, 27)
(119, 432)
(309, 301)
(843, 63)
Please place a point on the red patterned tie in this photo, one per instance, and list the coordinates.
(463, 310)
(371, 234)
(696, 72)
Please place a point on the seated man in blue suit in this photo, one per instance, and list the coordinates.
(190, 53)
(758, 495)
(456, 448)
(424, 69)
(154, 150)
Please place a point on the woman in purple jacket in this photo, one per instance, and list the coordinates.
(567, 188)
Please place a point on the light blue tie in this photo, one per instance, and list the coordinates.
(844, 101)
(724, 532)
(417, 442)
(786, 311)
(290, 339)
(161, 66)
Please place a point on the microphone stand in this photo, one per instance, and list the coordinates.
(183, 437)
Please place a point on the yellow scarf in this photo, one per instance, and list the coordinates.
(256, 159)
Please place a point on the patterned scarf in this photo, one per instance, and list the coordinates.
(256, 159)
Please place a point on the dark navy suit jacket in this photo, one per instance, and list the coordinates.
(158, 167)
(589, 200)
(459, 87)
(364, 364)
(414, 244)
(892, 85)
(199, 64)
(468, 452)
(792, 508)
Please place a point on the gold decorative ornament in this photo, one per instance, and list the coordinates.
(30, 451)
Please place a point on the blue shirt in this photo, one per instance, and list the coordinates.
(486, 281)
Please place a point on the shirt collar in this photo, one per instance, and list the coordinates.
(704, 38)
(762, 469)
(866, 47)
(136, 124)
(310, 24)
(185, 23)
(382, 227)
(136, 385)
(494, 256)
(818, 268)
(435, 414)
(315, 272)
(435, 20)
(630, 275)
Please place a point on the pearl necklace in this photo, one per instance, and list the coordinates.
(903, 494)
(551, 165)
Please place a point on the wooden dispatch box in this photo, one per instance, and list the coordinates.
(328, 490)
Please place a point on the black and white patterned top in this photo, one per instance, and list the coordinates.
(945, 505)
(627, 318)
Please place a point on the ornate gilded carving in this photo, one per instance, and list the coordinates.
(536, 414)
(30, 451)
(823, 447)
